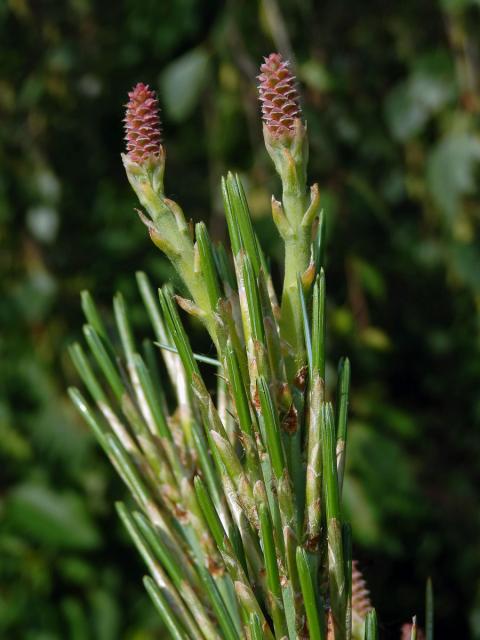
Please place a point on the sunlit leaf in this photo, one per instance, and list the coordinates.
(451, 171)
(182, 82)
(413, 101)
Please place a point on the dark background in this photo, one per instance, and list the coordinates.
(391, 95)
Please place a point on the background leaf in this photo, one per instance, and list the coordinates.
(59, 520)
(182, 82)
(452, 169)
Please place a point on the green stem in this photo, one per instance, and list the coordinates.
(297, 258)
(184, 263)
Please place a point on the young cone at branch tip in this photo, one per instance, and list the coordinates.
(144, 161)
(142, 124)
(361, 603)
(279, 96)
(283, 128)
(286, 142)
(145, 165)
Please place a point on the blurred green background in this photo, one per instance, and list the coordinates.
(391, 93)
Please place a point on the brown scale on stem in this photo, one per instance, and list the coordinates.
(290, 420)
